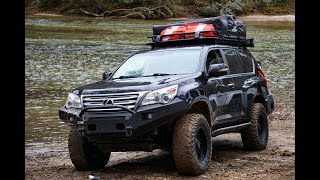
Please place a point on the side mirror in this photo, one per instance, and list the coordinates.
(216, 70)
(106, 75)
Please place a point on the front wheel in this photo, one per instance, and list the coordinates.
(191, 145)
(83, 154)
(255, 137)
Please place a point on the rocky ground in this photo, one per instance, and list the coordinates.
(229, 161)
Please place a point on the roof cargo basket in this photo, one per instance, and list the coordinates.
(224, 30)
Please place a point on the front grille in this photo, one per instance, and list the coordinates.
(128, 100)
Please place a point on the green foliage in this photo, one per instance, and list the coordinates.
(275, 10)
(137, 2)
(221, 7)
(188, 2)
(180, 8)
(126, 1)
(274, 2)
(211, 10)
(86, 2)
(274, 7)
(45, 4)
(233, 7)
(151, 2)
(282, 2)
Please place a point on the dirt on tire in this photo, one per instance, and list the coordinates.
(80, 156)
(250, 136)
(229, 158)
(184, 135)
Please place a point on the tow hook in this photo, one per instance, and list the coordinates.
(129, 130)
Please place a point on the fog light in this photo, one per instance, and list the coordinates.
(150, 116)
(71, 119)
(147, 116)
(80, 122)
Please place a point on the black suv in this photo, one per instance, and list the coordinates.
(172, 98)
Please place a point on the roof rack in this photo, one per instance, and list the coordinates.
(197, 40)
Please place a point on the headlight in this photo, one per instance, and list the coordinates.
(73, 101)
(164, 95)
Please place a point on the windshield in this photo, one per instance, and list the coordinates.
(160, 63)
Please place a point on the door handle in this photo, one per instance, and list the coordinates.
(231, 85)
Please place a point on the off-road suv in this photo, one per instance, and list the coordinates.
(174, 98)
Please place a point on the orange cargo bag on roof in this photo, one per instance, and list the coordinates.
(172, 30)
(199, 27)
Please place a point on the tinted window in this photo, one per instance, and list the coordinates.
(247, 60)
(233, 61)
(214, 57)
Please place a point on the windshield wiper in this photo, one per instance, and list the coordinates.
(159, 74)
(155, 74)
(123, 77)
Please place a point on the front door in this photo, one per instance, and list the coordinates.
(218, 89)
(235, 94)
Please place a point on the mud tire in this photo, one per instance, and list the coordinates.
(255, 137)
(191, 144)
(84, 155)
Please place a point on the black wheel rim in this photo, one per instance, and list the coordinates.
(201, 144)
(262, 128)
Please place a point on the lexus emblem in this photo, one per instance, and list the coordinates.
(108, 102)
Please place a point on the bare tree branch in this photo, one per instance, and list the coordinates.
(90, 14)
(135, 13)
(142, 12)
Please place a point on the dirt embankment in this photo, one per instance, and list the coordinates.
(281, 18)
(229, 161)
(262, 18)
(288, 18)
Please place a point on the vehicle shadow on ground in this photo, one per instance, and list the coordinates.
(157, 163)
(162, 162)
(227, 148)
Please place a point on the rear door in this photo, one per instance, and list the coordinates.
(235, 95)
(248, 91)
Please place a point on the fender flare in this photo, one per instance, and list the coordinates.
(205, 99)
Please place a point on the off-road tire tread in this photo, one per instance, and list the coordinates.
(80, 160)
(249, 136)
(182, 147)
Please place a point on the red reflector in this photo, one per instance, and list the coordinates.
(262, 75)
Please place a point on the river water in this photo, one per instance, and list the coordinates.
(62, 53)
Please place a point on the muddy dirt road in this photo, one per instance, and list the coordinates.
(229, 161)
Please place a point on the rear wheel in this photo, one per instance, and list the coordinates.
(83, 154)
(191, 145)
(255, 137)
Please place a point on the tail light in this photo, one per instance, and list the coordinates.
(262, 75)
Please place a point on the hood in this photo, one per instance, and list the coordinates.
(133, 84)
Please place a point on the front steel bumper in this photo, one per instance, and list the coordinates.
(128, 123)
